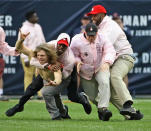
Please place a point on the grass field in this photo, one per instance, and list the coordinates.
(36, 118)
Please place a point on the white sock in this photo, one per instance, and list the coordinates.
(1, 91)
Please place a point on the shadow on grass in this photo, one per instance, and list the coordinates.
(24, 118)
(97, 120)
(49, 119)
(43, 119)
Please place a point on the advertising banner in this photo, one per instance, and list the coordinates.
(59, 16)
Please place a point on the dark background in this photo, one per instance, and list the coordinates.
(57, 16)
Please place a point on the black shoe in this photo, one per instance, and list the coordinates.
(67, 115)
(128, 111)
(85, 102)
(57, 118)
(137, 116)
(12, 111)
(104, 114)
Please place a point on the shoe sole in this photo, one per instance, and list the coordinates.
(87, 106)
(12, 114)
(9, 115)
(137, 116)
(107, 116)
(126, 113)
(57, 118)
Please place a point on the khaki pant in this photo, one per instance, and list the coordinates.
(91, 89)
(29, 72)
(98, 89)
(119, 91)
(119, 70)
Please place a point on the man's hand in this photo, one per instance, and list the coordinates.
(54, 67)
(23, 36)
(79, 64)
(51, 83)
(46, 66)
(17, 51)
(105, 67)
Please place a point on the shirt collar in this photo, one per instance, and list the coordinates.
(84, 39)
(29, 23)
(106, 18)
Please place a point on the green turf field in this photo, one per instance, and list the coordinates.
(36, 118)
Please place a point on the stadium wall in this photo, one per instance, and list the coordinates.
(58, 16)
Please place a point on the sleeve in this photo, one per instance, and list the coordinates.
(58, 77)
(2, 35)
(7, 50)
(4, 47)
(67, 70)
(35, 62)
(75, 50)
(23, 49)
(109, 53)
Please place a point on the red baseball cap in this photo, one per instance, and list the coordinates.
(63, 41)
(97, 9)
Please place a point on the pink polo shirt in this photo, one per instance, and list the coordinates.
(34, 39)
(4, 47)
(92, 54)
(115, 35)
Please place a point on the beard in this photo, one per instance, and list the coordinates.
(97, 21)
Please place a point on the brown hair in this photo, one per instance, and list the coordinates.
(52, 55)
